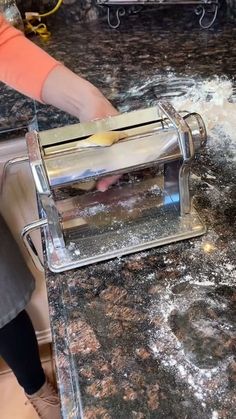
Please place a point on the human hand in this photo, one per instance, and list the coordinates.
(71, 93)
(98, 107)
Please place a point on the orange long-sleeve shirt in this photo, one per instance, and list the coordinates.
(23, 65)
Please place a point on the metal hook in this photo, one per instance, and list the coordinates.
(25, 236)
(7, 165)
(202, 10)
(119, 12)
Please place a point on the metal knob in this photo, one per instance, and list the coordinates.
(198, 130)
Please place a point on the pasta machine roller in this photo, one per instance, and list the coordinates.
(150, 149)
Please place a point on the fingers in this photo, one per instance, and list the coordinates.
(103, 184)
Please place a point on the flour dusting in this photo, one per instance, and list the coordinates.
(194, 305)
(213, 100)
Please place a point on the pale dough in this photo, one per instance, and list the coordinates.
(103, 139)
(106, 139)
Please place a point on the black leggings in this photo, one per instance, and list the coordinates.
(19, 349)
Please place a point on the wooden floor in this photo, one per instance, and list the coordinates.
(12, 399)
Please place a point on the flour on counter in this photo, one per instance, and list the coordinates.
(214, 100)
(190, 307)
(191, 299)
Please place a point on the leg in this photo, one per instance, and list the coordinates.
(19, 348)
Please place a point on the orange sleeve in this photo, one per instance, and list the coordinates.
(23, 65)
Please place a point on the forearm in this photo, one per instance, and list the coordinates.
(28, 69)
(71, 93)
(23, 65)
(33, 72)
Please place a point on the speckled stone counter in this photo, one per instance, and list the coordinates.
(152, 335)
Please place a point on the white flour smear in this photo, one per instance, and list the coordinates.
(213, 99)
(205, 384)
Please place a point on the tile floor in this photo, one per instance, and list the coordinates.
(12, 398)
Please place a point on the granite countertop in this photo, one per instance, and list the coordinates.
(151, 335)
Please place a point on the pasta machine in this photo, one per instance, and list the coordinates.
(149, 206)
